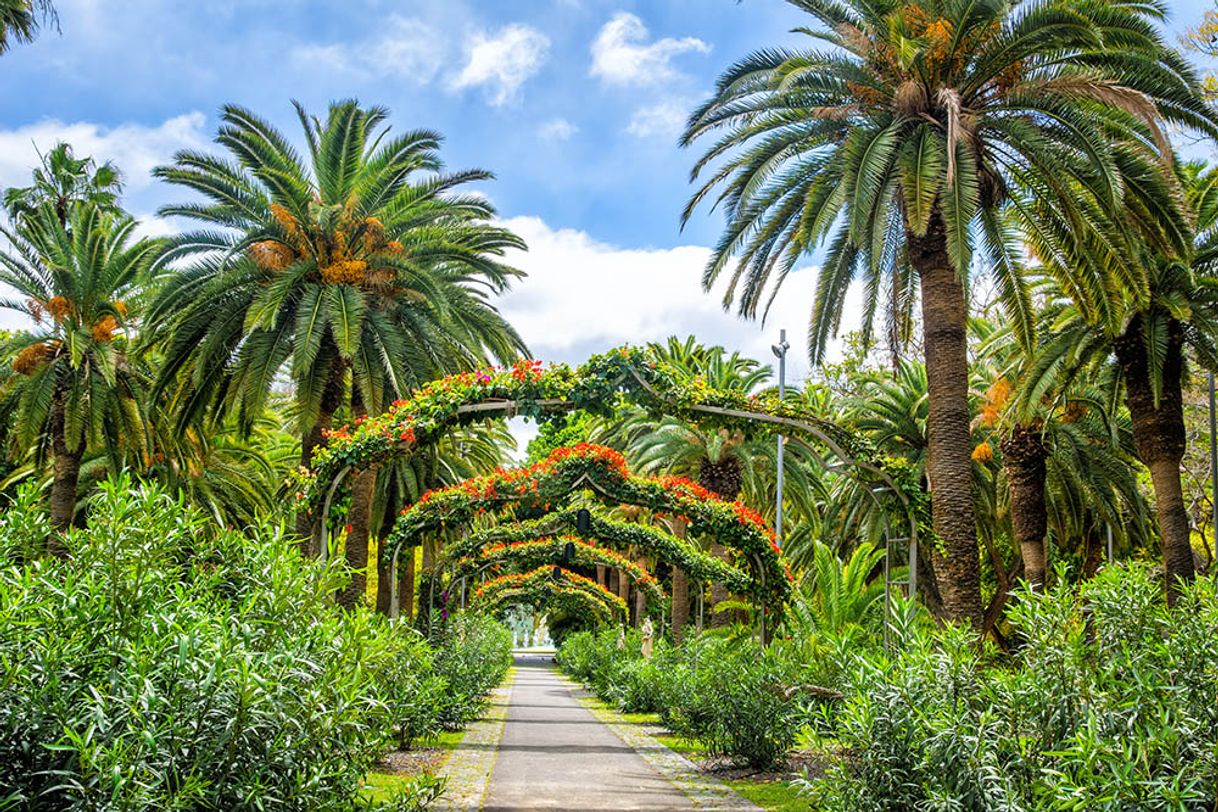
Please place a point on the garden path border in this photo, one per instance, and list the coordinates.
(468, 770)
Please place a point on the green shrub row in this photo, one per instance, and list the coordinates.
(717, 689)
(1107, 701)
(165, 665)
(1110, 702)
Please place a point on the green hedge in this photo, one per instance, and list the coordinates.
(166, 665)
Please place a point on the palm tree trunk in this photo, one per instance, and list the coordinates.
(723, 479)
(66, 478)
(359, 521)
(680, 593)
(314, 438)
(1160, 440)
(949, 445)
(406, 583)
(1023, 457)
(362, 492)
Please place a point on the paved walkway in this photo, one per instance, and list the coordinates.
(555, 753)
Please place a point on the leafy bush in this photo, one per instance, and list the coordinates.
(1108, 705)
(718, 690)
(473, 654)
(166, 667)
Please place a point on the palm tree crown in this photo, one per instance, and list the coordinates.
(920, 137)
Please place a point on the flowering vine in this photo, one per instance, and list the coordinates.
(540, 551)
(540, 584)
(528, 388)
(554, 481)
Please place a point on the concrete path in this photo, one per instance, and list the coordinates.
(556, 754)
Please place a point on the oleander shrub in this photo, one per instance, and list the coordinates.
(473, 653)
(1109, 704)
(717, 689)
(170, 665)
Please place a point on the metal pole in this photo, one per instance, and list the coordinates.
(1214, 467)
(780, 350)
(1109, 544)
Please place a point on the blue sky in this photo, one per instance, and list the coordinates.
(574, 104)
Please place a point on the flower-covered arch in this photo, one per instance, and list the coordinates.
(634, 373)
(536, 552)
(620, 535)
(559, 478)
(541, 584)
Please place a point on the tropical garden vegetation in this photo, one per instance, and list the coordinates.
(260, 521)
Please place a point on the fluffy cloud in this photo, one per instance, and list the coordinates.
(502, 62)
(404, 49)
(663, 120)
(134, 148)
(621, 54)
(558, 129)
(583, 296)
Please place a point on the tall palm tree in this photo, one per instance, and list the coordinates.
(62, 179)
(74, 388)
(357, 268)
(1150, 327)
(21, 19)
(902, 147)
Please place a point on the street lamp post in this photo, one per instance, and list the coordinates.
(780, 352)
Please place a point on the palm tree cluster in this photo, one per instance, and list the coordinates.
(930, 146)
(317, 287)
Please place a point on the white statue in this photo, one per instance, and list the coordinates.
(648, 637)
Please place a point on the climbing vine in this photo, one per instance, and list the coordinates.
(621, 535)
(540, 585)
(633, 373)
(558, 478)
(540, 551)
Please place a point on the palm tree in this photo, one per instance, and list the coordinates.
(903, 147)
(360, 271)
(1149, 326)
(1066, 452)
(21, 19)
(74, 389)
(62, 179)
(720, 460)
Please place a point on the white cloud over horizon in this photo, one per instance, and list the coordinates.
(665, 119)
(502, 62)
(134, 148)
(405, 48)
(621, 54)
(584, 296)
(557, 129)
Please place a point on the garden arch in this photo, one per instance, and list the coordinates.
(541, 551)
(665, 546)
(542, 584)
(632, 373)
(602, 472)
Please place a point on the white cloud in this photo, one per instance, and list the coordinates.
(558, 129)
(503, 62)
(621, 55)
(583, 296)
(404, 48)
(134, 148)
(663, 120)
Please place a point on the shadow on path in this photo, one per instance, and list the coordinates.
(556, 755)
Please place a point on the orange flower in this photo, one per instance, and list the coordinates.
(344, 272)
(32, 357)
(59, 308)
(983, 453)
(103, 328)
(271, 255)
